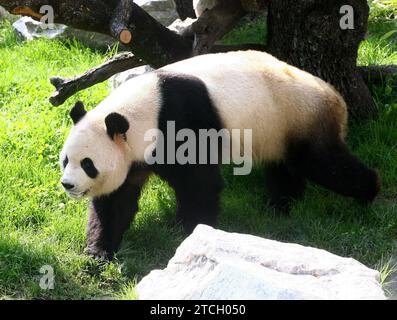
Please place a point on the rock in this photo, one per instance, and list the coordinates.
(119, 78)
(180, 26)
(215, 265)
(29, 29)
(162, 10)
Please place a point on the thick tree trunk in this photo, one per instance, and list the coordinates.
(307, 34)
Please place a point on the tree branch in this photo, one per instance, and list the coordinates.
(90, 15)
(65, 88)
(213, 24)
(152, 42)
(120, 21)
(145, 37)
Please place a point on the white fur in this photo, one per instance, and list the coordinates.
(251, 90)
(254, 90)
(138, 100)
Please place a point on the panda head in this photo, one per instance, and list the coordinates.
(94, 158)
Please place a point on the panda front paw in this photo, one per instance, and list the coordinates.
(98, 253)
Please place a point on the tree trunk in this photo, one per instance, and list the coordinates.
(308, 35)
(185, 9)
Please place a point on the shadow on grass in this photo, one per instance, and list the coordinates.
(20, 275)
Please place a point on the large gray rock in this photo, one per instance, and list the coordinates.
(215, 265)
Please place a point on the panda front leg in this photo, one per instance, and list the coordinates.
(197, 191)
(283, 186)
(110, 216)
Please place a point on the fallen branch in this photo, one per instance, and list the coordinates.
(120, 21)
(377, 74)
(130, 24)
(65, 88)
(150, 40)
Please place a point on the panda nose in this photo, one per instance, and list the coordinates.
(67, 186)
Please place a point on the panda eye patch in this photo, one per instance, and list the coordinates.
(89, 168)
(65, 162)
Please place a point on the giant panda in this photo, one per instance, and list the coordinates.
(298, 123)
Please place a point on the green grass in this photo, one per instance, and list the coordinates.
(40, 225)
(249, 30)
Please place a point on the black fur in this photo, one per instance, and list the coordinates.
(110, 216)
(65, 162)
(186, 101)
(116, 124)
(89, 168)
(283, 186)
(326, 161)
(78, 112)
(330, 164)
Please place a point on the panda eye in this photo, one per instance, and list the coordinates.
(88, 166)
(65, 162)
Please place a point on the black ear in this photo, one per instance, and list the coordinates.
(78, 112)
(116, 124)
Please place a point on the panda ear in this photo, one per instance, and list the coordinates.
(116, 124)
(78, 112)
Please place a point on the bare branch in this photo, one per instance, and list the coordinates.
(65, 88)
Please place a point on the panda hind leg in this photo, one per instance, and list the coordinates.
(332, 165)
(283, 186)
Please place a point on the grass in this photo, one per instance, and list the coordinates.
(40, 226)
